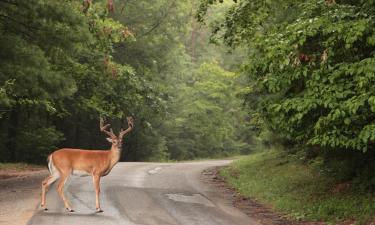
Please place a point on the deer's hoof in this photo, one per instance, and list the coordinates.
(69, 210)
(99, 210)
(44, 207)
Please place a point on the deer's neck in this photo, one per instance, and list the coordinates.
(115, 154)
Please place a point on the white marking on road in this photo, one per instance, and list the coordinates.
(194, 198)
(155, 170)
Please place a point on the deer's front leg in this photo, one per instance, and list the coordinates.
(60, 190)
(96, 180)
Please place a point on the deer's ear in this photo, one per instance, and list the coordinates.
(109, 140)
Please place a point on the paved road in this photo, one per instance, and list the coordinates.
(145, 194)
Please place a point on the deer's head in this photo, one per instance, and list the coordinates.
(116, 140)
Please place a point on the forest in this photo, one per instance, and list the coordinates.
(309, 94)
(310, 75)
(202, 78)
(65, 64)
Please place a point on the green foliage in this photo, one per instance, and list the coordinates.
(311, 72)
(168, 53)
(57, 69)
(5, 99)
(32, 144)
(64, 64)
(157, 54)
(207, 120)
(310, 87)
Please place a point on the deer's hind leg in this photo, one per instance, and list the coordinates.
(45, 186)
(49, 180)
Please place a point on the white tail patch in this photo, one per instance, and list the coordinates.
(50, 164)
(54, 172)
(52, 169)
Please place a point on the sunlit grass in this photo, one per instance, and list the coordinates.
(296, 189)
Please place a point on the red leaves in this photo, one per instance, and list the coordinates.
(110, 67)
(304, 58)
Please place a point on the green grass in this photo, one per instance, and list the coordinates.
(296, 189)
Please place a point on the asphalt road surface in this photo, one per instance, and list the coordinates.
(144, 194)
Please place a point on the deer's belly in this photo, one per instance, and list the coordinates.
(80, 173)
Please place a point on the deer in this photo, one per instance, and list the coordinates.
(98, 163)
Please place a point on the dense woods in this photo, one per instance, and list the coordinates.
(202, 79)
(64, 64)
(310, 74)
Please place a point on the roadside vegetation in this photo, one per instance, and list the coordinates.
(301, 191)
(310, 93)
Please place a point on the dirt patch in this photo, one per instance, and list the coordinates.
(262, 213)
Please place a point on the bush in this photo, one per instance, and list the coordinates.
(35, 145)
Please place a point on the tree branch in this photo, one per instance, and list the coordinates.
(163, 17)
(9, 2)
(21, 23)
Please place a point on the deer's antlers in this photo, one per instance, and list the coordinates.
(104, 127)
(110, 133)
(130, 127)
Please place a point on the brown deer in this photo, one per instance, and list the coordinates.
(97, 163)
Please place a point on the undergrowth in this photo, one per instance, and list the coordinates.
(298, 190)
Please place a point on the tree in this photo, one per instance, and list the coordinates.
(58, 58)
(207, 117)
(310, 71)
(310, 76)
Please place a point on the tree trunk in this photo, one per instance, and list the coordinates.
(12, 133)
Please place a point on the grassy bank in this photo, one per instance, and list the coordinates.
(298, 190)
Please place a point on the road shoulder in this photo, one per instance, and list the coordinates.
(19, 196)
(262, 213)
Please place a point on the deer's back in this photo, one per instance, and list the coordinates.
(81, 160)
